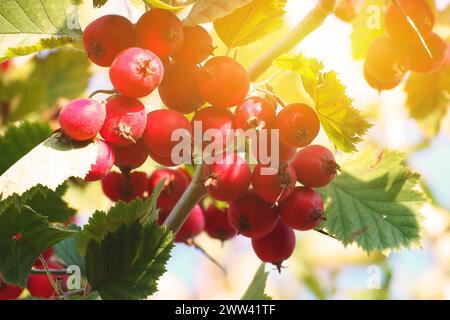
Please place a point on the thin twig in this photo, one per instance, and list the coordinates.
(105, 91)
(49, 275)
(207, 255)
(325, 233)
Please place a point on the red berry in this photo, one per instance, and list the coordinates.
(194, 224)
(217, 224)
(159, 31)
(262, 148)
(125, 121)
(103, 163)
(315, 166)
(160, 126)
(303, 210)
(276, 187)
(105, 37)
(179, 87)
(164, 161)
(185, 173)
(255, 113)
(275, 247)
(386, 59)
(9, 291)
(298, 124)
(39, 285)
(251, 216)
(5, 65)
(228, 178)
(378, 84)
(174, 186)
(47, 255)
(197, 45)
(131, 157)
(346, 10)
(82, 119)
(136, 72)
(117, 186)
(421, 61)
(398, 26)
(224, 82)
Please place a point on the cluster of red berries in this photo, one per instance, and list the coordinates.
(391, 56)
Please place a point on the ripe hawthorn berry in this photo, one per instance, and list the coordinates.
(421, 62)
(39, 285)
(346, 10)
(125, 187)
(217, 225)
(194, 224)
(262, 148)
(164, 161)
(228, 178)
(9, 291)
(106, 36)
(185, 173)
(398, 26)
(276, 187)
(197, 45)
(386, 59)
(251, 216)
(5, 65)
(103, 163)
(275, 247)
(224, 82)
(46, 254)
(159, 31)
(302, 210)
(179, 87)
(82, 119)
(136, 72)
(158, 132)
(378, 84)
(174, 186)
(255, 113)
(315, 166)
(130, 157)
(298, 124)
(125, 121)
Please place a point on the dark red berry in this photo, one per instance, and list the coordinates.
(174, 186)
(255, 113)
(217, 224)
(262, 149)
(197, 45)
(194, 224)
(40, 286)
(164, 161)
(9, 291)
(103, 163)
(131, 157)
(126, 188)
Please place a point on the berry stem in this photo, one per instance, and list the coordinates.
(311, 22)
(207, 255)
(105, 91)
(49, 275)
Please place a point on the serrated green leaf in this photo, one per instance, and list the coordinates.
(251, 22)
(67, 251)
(374, 202)
(98, 3)
(18, 255)
(28, 26)
(256, 290)
(205, 11)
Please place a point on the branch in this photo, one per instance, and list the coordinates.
(311, 22)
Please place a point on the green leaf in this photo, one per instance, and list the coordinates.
(374, 202)
(99, 3)
(251, 22)
(34, 236)
(256, 290)
(18, 140)
(343, 124)
(49, 164)
(166, 4)
(28, 26)
(67, 251)
(204, 11)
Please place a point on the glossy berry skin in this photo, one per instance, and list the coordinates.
(262, 148)
(39, 285)
(378, 84)
(174, 186)
(255, 113)
(103, 163)
(47, 254)
(386, 59)
(217, 225)
(130, 157)
(197, 45)
(251, 216)
(315, 166)
(346, 10)
(82, 119)
(159, 31)
(160, 126)
(276, 187)
(9, 291)
(179, 87)
(224, 82)
(125, 121)
(126, 188)
(194, 224)
(298, 124)
(421, 61)
(399, 28)
(106, 36)
(185, 173)
(164, 161)
(136, 72)
(275, 247)
(228, 178)
(303, 210)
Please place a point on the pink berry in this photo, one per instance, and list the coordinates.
(103, 163)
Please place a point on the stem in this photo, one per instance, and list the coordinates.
(112, 91)
(49, 275)
(310, 23)
(208, 256)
